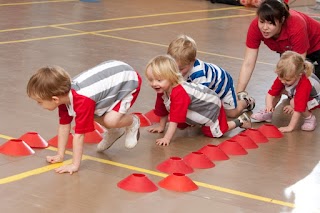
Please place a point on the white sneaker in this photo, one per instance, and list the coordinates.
(251, 103)
(245, 121)
(109, 137)
(132, 133)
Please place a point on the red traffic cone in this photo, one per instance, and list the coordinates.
(54, 141)
(232, 147)
(245, 141)
(92, 137)
(213, 152)
(178, 182)
(256, 135)
(144, 121)
(152, 117)
(16, 147)
(270, 131)
(198, 160)
(137, 183)
(175, 165)
(34, 140)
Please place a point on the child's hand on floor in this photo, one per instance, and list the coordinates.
(67, 169)
(288, 109)
(162, 142)
(157, 129)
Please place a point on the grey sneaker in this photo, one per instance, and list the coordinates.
(245, 121)
(251, 103)
(109, 137)
(132, 133)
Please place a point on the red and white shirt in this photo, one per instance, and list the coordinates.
(302, 91)
(192, 104)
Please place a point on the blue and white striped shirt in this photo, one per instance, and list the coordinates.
(211, 76)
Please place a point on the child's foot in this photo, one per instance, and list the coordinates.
(109, 137)
(245, 121)
(250, 100)
(262, 116)
(309, 124)
(132, 133)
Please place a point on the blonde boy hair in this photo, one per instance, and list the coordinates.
(293, 64)
(48, 82)
(183, 49)
(165, 67)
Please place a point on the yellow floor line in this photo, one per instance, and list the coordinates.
(29, 173)
(137, 169)
(34, 2)
(98, 33)
(163, 45)
(6, 137)
(124, 18)
(121, 29)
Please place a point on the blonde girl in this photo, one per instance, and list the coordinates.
(297, 81)
(182, 103)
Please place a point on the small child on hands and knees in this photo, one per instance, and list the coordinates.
(103, 93)
(184, 50)
(296, 80)
(186, 103)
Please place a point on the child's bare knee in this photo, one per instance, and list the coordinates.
(112, 119)
(110, 122)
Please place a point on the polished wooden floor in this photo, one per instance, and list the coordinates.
(78, 35)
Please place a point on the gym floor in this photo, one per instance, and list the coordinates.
(78, 35)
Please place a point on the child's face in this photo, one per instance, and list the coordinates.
(47, 104)
(288, 81)
(185, 69)
(159, 85)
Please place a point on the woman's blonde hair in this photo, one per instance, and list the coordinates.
(183, 49)
(165, 67)
(48, 82)
(293, 64)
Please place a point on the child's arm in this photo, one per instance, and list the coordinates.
(169, 134)
(269, 103)
(63, 136)
(162, 125)
(293, 122)
(77, 155)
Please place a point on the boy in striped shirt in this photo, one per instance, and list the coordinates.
(184, 50)
(103, 93)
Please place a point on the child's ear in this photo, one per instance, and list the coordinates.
(55, 99)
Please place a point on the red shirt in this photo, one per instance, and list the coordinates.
(84, 113)
(301, 93)
(179, 104)
(299, 33)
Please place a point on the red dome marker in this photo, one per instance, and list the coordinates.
(16, 147)
(175, 165)
(34, 140)
(270, 131)
(137, 183)
(213, 152)
(232, 147)
(54, 141)
(198, 160)
(178, 182)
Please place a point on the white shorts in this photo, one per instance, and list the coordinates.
(229, 101)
